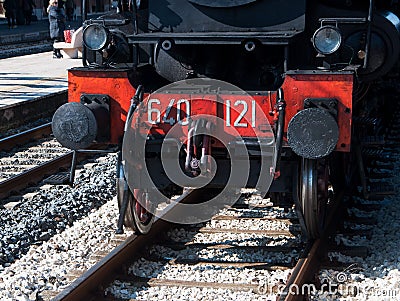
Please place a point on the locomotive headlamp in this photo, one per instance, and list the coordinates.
(95, 37)
(327, 39)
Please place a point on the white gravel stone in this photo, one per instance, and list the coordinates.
(46, 264)
(186, 294)
(272, 212)
(225, 255)
(54, 259)
(228, 273)
(204, 273)
(240, 239)
(248, 224)
(376, 277)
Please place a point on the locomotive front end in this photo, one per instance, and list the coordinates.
(226, 95)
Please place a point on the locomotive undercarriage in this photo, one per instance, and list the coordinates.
(305, 183)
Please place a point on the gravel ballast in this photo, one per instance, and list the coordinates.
(55, 231)
(217, 266)
(73, 223)
(376, 277)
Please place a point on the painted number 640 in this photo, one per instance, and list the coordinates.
(154, 113)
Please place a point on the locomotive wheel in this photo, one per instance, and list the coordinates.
(136, 216)
(314, 195)
(142, 218)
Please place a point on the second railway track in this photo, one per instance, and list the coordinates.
(25, 48)
(29, 156)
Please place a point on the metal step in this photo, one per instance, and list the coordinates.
(366, 121)
(380, 189)
(377, 154)
(373, 140)
(57, 179)
(377, 174)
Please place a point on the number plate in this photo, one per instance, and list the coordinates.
(240, 114)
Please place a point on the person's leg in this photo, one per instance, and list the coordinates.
(14, 17)
(59, 55)
(28, 16)
(9, 21)
(56, 52)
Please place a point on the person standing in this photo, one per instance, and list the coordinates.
(45, 5)
(11, 12)
(57, 25)
(28, 9)
(69, 9)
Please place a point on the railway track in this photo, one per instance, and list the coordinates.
(247, 252)
(272, 259)
(219, 244)
(29, 156)
(251, 250)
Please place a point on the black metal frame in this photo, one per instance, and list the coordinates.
(231, 38)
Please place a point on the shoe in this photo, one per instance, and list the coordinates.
(57, 55)
(15, 26)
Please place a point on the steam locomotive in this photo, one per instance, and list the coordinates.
(210, 82)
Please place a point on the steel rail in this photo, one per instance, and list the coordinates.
(87, 285)
(24, 137)
(308, 264)
(303, 272)
(34, 175)
(37, 173)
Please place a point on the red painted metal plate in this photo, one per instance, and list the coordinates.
(239, 114)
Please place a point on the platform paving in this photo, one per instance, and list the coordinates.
(28, 77)
(31, 86)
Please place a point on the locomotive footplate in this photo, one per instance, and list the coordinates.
(219, 38)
